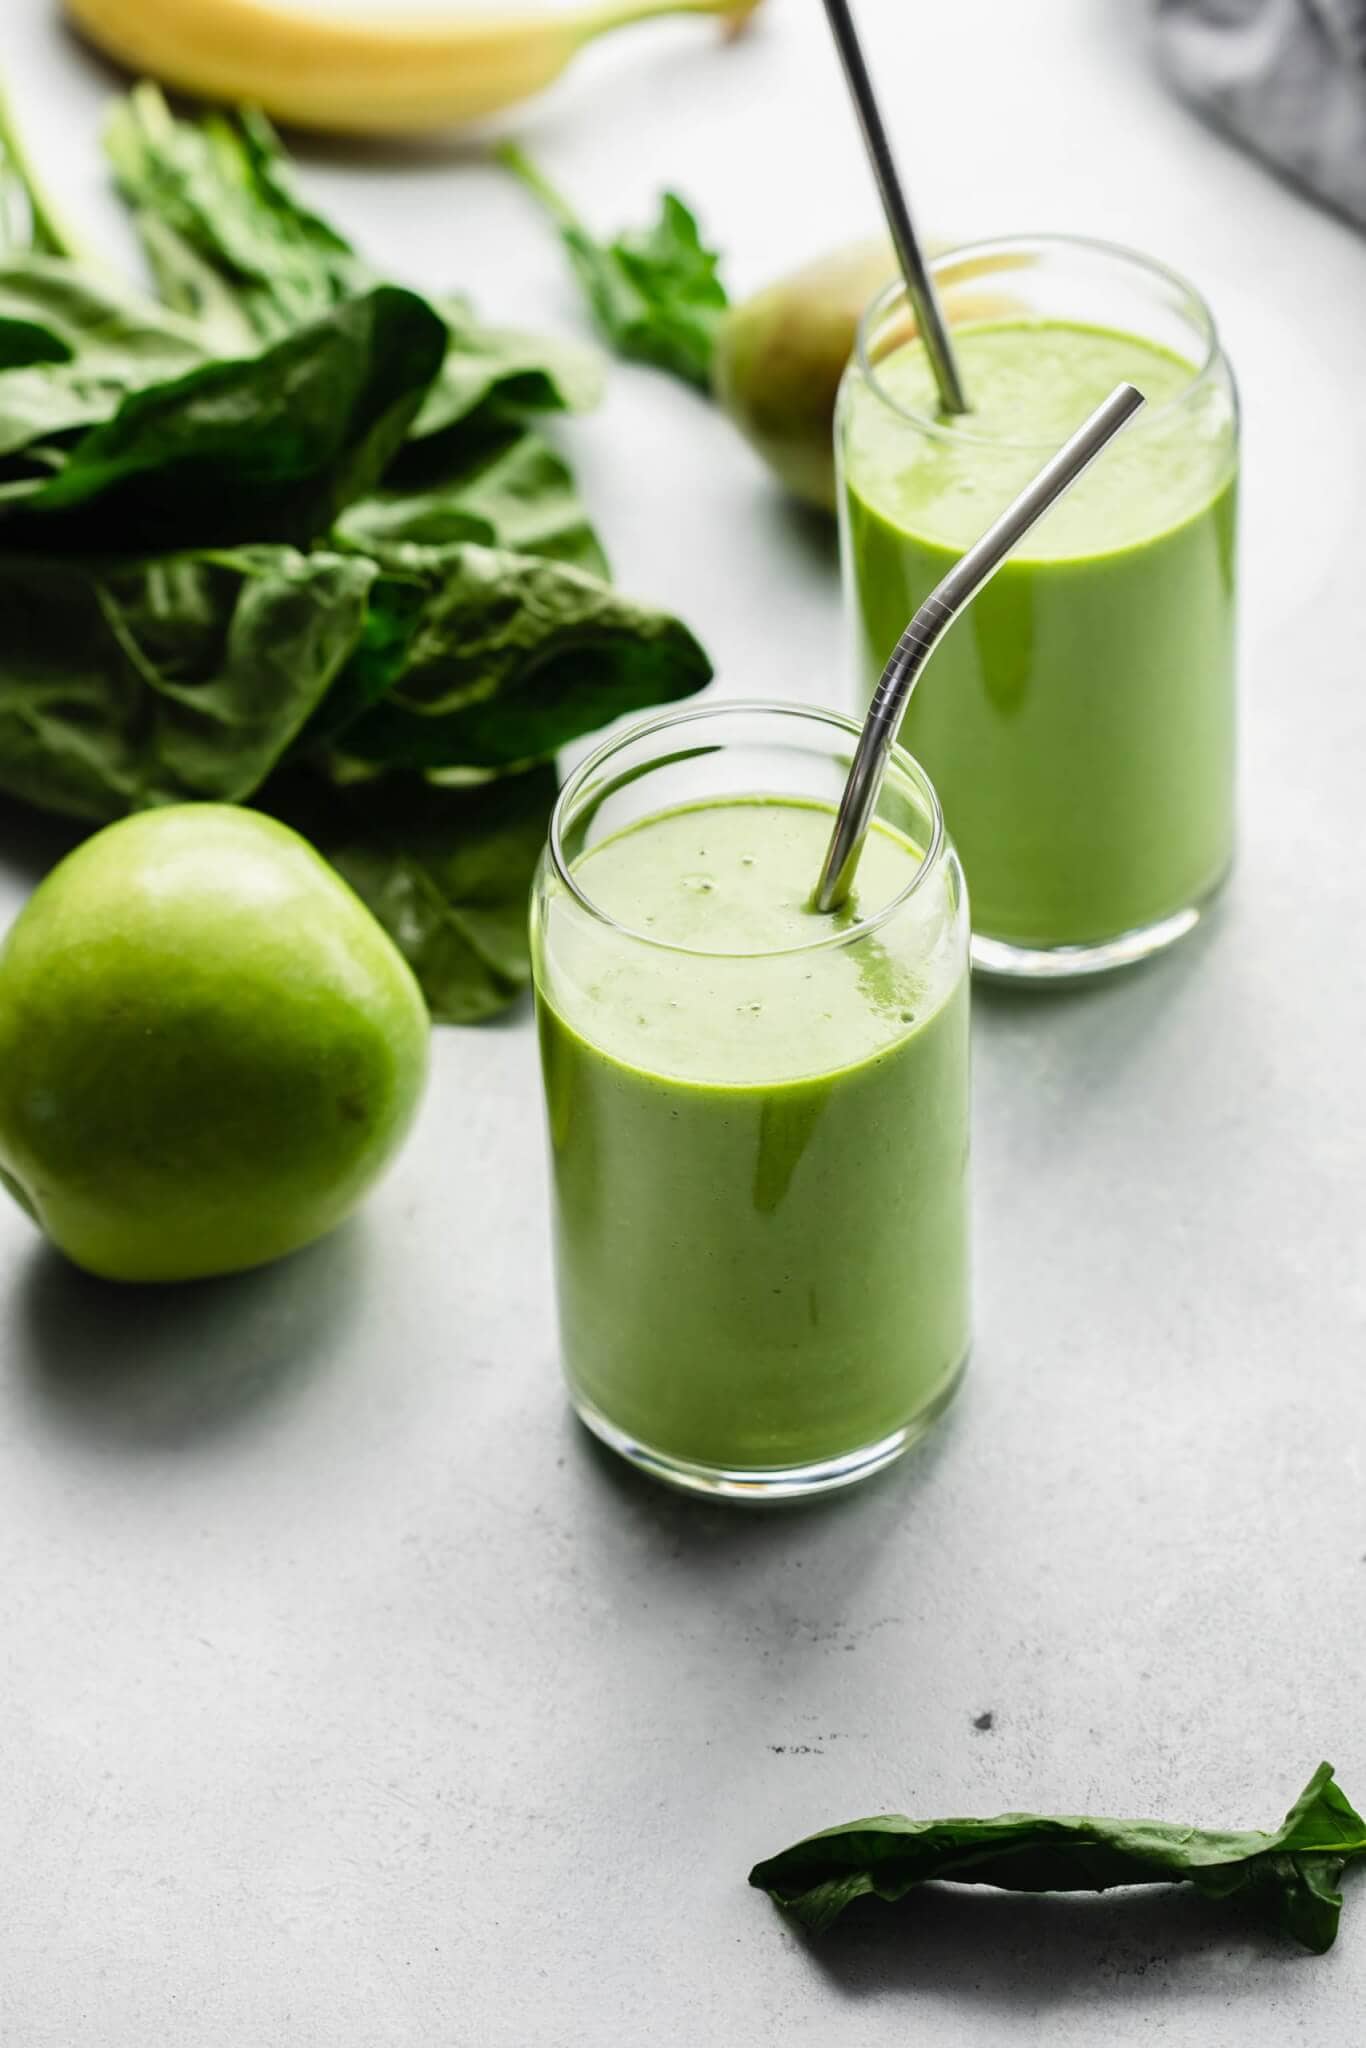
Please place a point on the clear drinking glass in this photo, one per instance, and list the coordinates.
(1079, 722)
(758, 1117)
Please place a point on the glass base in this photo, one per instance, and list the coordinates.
(1001, 960)
(774, 1482)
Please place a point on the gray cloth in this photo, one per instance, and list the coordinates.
(1287, 77)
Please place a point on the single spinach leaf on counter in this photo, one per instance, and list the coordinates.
(187, 677)
(504, 487)
(477, 657)
(446, 870)
(1288, 1877)
(268, 448)
(655, 294)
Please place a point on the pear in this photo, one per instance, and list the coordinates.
(781, 354)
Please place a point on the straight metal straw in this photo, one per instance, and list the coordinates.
(933, 620)
(919, 284)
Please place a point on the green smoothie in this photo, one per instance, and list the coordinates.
(1078, 722)
(758, 1123)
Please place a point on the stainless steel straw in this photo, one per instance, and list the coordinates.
(932, 621)
(919, 284)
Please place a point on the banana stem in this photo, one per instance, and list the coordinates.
(620, 13)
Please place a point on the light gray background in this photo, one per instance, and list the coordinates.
(349, 1697)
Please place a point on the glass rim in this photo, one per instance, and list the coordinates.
(847, 935)
(1092, 244)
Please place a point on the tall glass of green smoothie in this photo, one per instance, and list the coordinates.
(758, 1114)
(1079, 723)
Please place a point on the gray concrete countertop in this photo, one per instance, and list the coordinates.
(349, 1697)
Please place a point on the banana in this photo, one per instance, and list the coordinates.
(355, 75)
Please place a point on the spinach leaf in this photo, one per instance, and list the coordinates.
(89, 344)
(1288, 1877)
(229, 240)
(123, 685)
(477, 657)
(269, 448)
(654, 294)
(446, 870)
(111, 330)
(503, 485)
(84, 337)
(502, 369)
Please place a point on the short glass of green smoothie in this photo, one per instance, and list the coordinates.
(1078, 723)
(758, 1115)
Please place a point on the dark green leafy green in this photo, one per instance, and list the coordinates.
(500, 370)
(503, 486)
(491, 660)
(231, 243)
(335, 575)
(74, 348)
(654, 294)
(1289, 1877)
(229, 240)
(123, 685)
(446, 870)
(270, 447)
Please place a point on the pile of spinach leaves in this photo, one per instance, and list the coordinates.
(286, 536)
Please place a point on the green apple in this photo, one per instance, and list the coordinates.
(208, 1047)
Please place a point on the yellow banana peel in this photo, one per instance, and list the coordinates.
(361, 75)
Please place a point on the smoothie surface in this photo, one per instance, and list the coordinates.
(1032, 383)
(728, 982)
